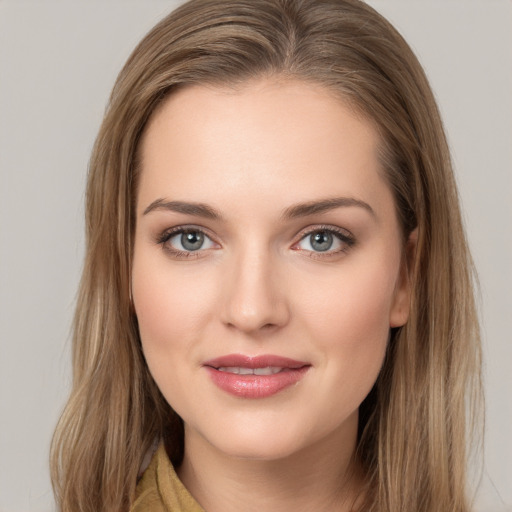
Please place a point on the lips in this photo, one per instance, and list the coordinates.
(255, 377)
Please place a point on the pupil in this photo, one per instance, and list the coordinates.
(192, 241)
(321, 241)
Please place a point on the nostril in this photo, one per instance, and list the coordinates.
(250, 308)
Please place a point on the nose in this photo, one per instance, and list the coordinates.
(254, 296)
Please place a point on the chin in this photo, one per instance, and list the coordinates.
(266, 438)
(257, 448)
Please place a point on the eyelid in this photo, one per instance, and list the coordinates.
(344, 235)
(169, 233)
(325, 227)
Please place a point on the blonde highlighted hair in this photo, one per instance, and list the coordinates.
(414, 424)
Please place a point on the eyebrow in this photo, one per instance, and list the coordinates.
(324, 205)
(197, 209)
(292, 212)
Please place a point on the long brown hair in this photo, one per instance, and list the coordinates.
(413, 425)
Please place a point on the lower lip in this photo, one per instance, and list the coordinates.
(256, 386)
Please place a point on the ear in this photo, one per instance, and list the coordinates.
(401, 305)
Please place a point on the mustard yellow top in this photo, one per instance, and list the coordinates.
(160, 489)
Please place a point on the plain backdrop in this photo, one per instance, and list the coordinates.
(58, 62)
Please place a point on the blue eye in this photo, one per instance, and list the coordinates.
(321, 241)
(325, 241)
(187, 240)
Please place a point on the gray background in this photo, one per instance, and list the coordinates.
(58, 61)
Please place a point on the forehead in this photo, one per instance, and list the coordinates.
(268, 141)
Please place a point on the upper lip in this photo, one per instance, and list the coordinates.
(262, 361)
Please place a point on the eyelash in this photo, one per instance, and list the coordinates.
(177, 253)
(344, 236)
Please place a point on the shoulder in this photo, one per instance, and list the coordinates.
(147, 496)
(160, 489)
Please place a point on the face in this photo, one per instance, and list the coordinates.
(267, 264)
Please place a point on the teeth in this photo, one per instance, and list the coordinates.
(268, 370)
(229, 369)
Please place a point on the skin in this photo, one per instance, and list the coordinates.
(258, 287)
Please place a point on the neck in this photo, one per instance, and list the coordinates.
(320, 477)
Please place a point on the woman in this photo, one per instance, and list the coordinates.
(277, 290)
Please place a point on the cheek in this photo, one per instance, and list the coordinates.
(349, 317)
(352, 304)
(172, 310)
(172, 307)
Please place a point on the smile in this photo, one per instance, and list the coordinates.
(255, 377)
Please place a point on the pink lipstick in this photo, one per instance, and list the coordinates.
(255, 377)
